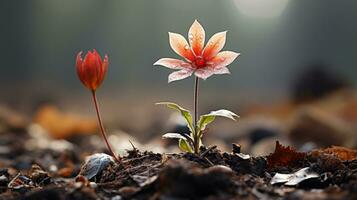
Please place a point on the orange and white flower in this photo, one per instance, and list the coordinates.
(199, 60)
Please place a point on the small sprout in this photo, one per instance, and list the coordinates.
(91, 71)
(203, 62)
(187, 142)
(185, 146)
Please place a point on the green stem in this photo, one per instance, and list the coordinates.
(196, 139)
(102, 127)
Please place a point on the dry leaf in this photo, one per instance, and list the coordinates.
(65, 172)
(342, 153)
(63, 125)
(9, 119)
(294, 178)
(284, 156)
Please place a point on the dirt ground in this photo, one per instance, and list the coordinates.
(48, 173)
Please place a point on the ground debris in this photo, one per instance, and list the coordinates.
(285, 157)
(294, 178)
(342, 153)
(63, 125)
(95, 164)
(49, 174)
(182, 179)
(39, 176)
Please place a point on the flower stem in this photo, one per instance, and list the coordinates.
(102, 127)
(195, 117)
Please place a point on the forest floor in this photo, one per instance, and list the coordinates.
(48, 173)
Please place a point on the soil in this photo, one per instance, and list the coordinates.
(50, 174)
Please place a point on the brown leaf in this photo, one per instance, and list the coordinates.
(63, 125)
(284, 156)
(10, 119)
(342, 153)
(66, 172)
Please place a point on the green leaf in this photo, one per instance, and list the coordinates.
(188, 137)
(185, 146)
(208, 118)
(185, 113)
(174, 136)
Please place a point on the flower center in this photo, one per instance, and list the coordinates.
(200, 62)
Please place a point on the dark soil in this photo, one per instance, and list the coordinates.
(49, 174)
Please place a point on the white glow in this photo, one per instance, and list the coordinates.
(261, 8)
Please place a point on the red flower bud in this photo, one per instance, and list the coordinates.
(91, 71)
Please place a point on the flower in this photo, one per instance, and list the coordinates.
(91, 71)
(200, 60)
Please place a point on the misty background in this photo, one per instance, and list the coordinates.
(277, 39)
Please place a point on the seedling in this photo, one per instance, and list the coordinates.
(203, 62)
(91, 71)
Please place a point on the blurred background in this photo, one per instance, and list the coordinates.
(294, 81)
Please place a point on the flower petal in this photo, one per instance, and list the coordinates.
(97, 56)
(223, 59)
(179, 44)
(173, 63)
(79, 60)
(204, 73)
(104, 67)
(222, 70)
(214, 45)
(91, 70)
(79, 67)
(196, 37)
(179, 75)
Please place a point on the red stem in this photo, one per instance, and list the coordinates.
(102, 127)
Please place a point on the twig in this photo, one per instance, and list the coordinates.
(203, 154)
(134, 148)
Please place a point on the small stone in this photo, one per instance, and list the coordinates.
(95, 164)
(220, 169)
(236, 148)
(93, 185)
(78, 184)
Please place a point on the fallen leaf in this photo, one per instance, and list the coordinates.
(284, 156)
(10, 119)
(63, 125)
(65, 172)
(343, 153)
(294, 178)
